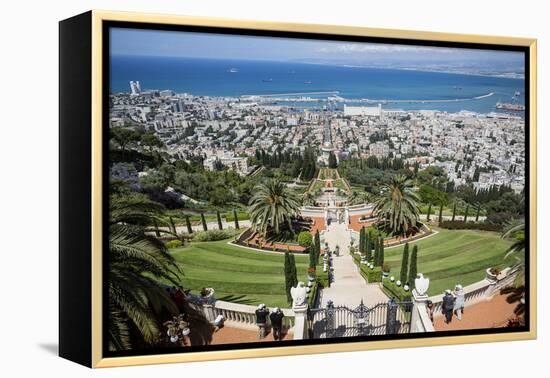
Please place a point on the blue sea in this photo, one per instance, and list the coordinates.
(212, 77)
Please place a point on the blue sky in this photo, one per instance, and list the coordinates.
(185, 44)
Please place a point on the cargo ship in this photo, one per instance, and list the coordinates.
(510, 107)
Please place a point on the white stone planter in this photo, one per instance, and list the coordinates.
(490, 276)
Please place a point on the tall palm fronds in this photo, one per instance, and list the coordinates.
(515, 229)
(358, 198)
(398, 204)
(272, 205)
(137, 261)
(308, 199)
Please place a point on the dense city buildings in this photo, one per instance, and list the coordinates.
(483, 149)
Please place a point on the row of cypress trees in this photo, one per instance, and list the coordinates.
(203, 221)
(409, 270)
(367, 247)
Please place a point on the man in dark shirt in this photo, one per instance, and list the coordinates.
(261, 320)
(448, 305)
(276, 318)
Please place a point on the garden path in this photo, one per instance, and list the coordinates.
(348, 287)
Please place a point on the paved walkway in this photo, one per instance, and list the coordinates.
(231, 335)
(348, 287)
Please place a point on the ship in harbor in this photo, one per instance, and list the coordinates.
(510, 107)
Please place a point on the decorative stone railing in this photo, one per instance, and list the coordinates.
(241, 314)
(479, 291)
(483, 290)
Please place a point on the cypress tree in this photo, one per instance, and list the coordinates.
(477, 212)
(288, 275)
(172, 225)
(236, 219)
(404, 264)
(429, 211)
(220, 225)
(454, 213)
(440, 213)
(203, 220)
(377, 252)
(188, 223)
(413, 269)
(381, 253)
(293, 273)
(466, 213)
(157, 232)
(317, 242)
(368, 246)
(312, 255)
(362, 240)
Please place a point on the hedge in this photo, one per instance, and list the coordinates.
(312, 293)
(395, 291)
(213, 235)
(460, 225)
(173, 244)
(322, 277)
(374, 274)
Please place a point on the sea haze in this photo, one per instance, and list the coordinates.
(212, 77)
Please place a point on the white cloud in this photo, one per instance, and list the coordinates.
(378, 47)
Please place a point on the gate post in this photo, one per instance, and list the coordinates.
(300, 306)
(419, 310)
(391, 317)
(329, 318)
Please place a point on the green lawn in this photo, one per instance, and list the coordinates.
(454, 257)
(237, 274)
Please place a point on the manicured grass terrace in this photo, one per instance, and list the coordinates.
(237, 274)
(454, 257)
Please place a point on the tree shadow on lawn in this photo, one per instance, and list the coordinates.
(241, 299)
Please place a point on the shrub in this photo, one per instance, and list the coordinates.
(386, 268)
(312, 294)
(212, 235)
(173, 244)
(371, 275)
(396, 292)
(305, 239)
(460, 225)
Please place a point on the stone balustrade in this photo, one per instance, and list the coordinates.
(479, 291)
(241, 314)
(482, 290)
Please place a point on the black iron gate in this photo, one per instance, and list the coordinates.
(341, 321)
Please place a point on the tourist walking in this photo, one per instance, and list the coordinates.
(261, 320)
(448, 306)
(276, 318)
(459, 301)
(218, 322)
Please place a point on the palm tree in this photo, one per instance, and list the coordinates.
(398, 204)
(308, 199)
(515, 229)
(358, 198)
(137, 260)
(272, 205)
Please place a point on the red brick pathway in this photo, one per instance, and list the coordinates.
(491, 314)
(230, 335)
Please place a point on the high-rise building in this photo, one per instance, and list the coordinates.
(135, 88)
